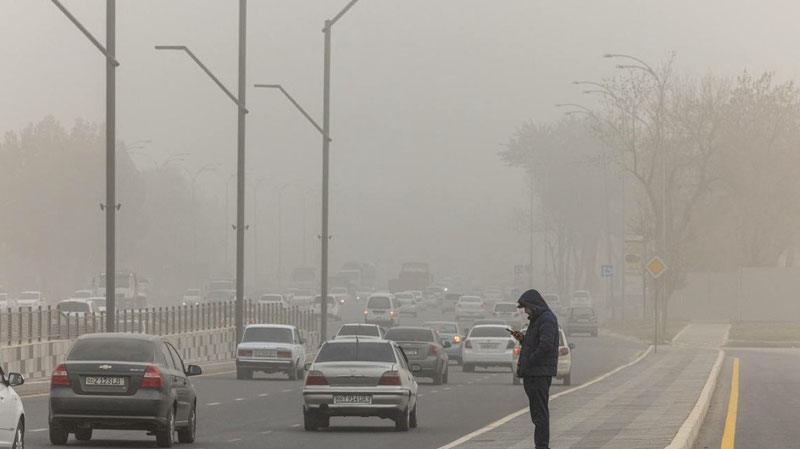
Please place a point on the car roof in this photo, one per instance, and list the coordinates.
(120, 335)
(365, 340)
(488, 325)
(83, 300)
(264, 326)
(415, 328)
(358, 324)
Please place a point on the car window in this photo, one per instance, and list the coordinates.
(409, 335)
(379, 302)
(177, 357)
(355, 329)
(267, 334)
(296, 337)
(401, 357)
(170, 361)
(112, 350)
(356, 352)
(489, 332)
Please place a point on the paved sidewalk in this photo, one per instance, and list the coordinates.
(639, 407)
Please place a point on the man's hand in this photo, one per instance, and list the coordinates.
(518, 336)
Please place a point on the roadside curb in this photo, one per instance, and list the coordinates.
(761, 344)
(690, 429)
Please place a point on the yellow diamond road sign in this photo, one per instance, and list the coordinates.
(656, 267)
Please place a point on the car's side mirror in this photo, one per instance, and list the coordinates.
(572, 346)
(446, 344)
(415, 368)
(15, 379)
(307, 366)
(193, 370)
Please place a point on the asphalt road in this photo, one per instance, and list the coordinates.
(267, 410)
(769, 401)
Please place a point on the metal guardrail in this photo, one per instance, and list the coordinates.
(28, 325)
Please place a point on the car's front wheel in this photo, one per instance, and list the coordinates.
(19, 436)
(166, 436)
(187, 434)
(58, 435)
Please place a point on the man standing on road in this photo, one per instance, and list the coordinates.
(538, 361)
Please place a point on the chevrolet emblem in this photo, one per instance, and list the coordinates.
(104, 366)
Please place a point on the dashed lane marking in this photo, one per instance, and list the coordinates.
(234, 440)
(37, 430)
(266, 432)
(239, 399)
(287, 391)
(213, 403)
(263, 394)
(295, 425)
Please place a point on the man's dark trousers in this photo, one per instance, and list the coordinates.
(538, 390)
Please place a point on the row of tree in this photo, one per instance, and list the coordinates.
(713, 163)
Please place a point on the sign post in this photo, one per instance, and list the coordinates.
(656, 267)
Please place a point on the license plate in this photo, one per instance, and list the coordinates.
(105, 381)
(265, 353)
(352, 399)
(410, 351)
(489, 346)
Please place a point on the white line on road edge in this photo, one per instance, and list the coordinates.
(521, 412)
(680, 332)
(687, 434)
(37, 430)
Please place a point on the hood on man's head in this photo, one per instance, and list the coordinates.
(532, 299)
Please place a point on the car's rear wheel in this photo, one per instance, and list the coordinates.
(446, 374)
(83, 434)
(467, 368)
(310, 421)
(567, 379)
(412, 419)
(58, 435)
(19, 436)
(401, 423)
(188, 433)
(292, 373)
(166, 436)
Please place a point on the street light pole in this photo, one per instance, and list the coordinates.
(111, 157)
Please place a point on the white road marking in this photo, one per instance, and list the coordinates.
(266, 432)
(213, 403)
(447, 388)
(239, 399)
(287, 391)
(37, 430)
(234, 440)
(263, 395)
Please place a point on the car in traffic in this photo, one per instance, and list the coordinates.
(191, 297)
(123, 381)
(449, 301)
(30, 298)
(507, 311)
(79, 308)
(381, 310)
(12, 412)
(564, 370)
(98, 302)
(334, 308)
(581, 320)
(274, 299)
(406, 304)
(362, 378)
(270, 348)
(487, 345)
(581, 298)
(470, 307)
(448, 332)
(423, 346)
(360, 331)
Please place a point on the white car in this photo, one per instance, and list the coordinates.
(99, 303)
(270, 348)
(581, 298)
(470, 307)
(191, 297)
(82, 294)
(79, 308)
(564, 370)
(334, 307)
(357, 330)
(30, 299)
(274, 299)
(381, 310)
(406, 303)
(12, 413)
(507, 311)
(487, 345)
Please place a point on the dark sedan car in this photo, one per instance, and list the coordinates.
(581, 320)
(124, 382)
(424, 348)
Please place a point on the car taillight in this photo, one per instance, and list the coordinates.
(391, 312)
(432, 350)
(245, 352)
(457, 339)
(562, 351)
(285, 354)
(517, 349)
(152, 378)
(366, 312)
(59, 376)
(511, 344)
(390, 378)
(316, 378)
(468, 344)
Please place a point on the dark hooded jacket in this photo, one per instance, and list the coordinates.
(539, 353)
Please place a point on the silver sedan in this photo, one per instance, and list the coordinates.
(360, 378)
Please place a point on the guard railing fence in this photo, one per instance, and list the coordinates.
(28, 325)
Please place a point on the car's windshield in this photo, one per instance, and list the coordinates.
(400, 334)
(489, 331)
(73, 306)
(582, 312)
(505, 307)
(444, 328)
(112, 350)
(267, 335)
(356, 352)
(355, 329)
(379, 302)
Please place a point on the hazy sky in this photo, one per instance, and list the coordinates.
(423, 95)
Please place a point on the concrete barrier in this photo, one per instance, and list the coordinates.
(34, 360)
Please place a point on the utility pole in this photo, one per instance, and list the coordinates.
(530, 249)
(240, 227)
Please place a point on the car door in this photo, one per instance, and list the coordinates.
(171, 379)
(8, 409)
(184, 389)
